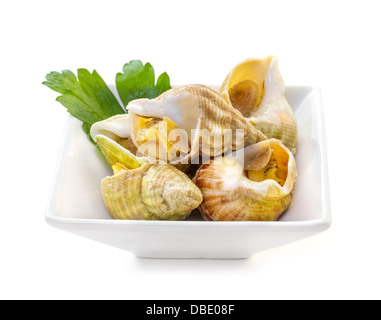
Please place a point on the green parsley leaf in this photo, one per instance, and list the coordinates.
(138, 81)
(89, 98)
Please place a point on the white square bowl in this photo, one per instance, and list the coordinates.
(76, 204)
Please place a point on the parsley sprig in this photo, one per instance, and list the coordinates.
(88, 98)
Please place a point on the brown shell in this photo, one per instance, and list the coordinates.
(229, 195)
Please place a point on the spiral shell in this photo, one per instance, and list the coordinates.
(114, 139)
(256, 88)
(212, 126)
(139, 190)
(150, 192)
(258, 187)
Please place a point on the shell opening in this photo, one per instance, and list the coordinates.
(116, 129)
(245, 96)
(246, 86)
(272, 163)
(159, 139)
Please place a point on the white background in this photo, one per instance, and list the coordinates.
(333, 44)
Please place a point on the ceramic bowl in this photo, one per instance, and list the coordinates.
(76, 204)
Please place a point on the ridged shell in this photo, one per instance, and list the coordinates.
(151, 192)
(256, 88)
(229, 195)
(201, 112)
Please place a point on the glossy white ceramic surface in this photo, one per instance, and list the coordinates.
(76, 204)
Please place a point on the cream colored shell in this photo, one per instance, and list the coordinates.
(229, 195)
(202, 113)
(272, 114)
